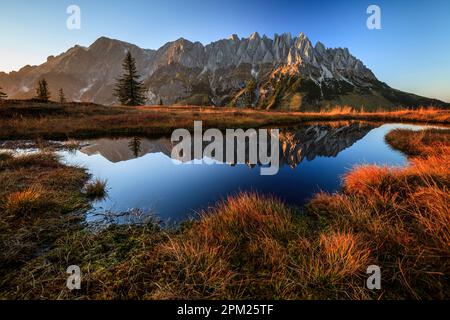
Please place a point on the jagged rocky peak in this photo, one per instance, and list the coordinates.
(103, 41)
(255, 36)
(105, 45)
(289, 73)
(320, 48)
(183, 52)
(233, 37)
(256, 50)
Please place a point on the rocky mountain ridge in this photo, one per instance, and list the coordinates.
(285, 72)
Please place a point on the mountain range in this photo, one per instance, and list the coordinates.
(283, 73)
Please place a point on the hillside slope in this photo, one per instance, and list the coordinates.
(288, 73)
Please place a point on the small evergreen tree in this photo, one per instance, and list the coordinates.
(3, 95)
(62, 97)
(130, 90)
(42, 91)
(135, 146)
(161, 102)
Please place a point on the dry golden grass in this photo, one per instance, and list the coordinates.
(366, 178)
(24, 202)
(38, 196)
(25, 119)
(254, 247)
(96, 189)
(402, 214)
(342, 255)
(420, 143)
(246, 247)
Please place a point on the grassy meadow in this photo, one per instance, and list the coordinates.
(38, 120)
(249, 246)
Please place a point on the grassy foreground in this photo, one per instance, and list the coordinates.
(36, 120)
(248, 246)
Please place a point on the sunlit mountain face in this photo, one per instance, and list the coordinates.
(286, 72)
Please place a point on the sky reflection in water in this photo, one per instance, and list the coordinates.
(154, 183)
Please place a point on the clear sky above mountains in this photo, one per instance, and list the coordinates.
(411, 52)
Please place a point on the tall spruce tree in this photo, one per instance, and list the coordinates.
(62, 97)
(42, 91)
(135, 146)
(3, 95)
(130, 91)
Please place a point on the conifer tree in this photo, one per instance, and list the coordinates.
(135, 146)
(130, 91)
(62, 97)
(42, 91)
(3, 95)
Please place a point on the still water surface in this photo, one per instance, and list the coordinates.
(141, 175)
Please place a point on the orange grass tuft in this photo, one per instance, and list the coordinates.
(24, 202)
(402, 214)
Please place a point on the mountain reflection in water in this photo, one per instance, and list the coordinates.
(141, 174)
(307, 142)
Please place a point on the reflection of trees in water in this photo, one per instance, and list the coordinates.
(135, 146)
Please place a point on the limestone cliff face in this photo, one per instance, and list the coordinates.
(285, 72)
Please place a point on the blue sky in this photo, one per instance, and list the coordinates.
(411, 52)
